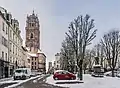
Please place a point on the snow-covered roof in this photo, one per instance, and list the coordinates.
(60, 70)
(32, 54)
(40, 51)
(97, 65)
(28, 48)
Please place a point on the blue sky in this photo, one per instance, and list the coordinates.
(55, 16)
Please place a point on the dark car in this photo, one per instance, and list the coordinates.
(63, 75)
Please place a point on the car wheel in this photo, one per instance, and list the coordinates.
(24, 77)
(56, 78)
(14, 78)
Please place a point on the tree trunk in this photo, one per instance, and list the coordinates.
(102, 62)
(81, 75)
(113, 75)
(84, 71)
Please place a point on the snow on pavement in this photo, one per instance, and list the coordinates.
(23, 81)
(91, 82)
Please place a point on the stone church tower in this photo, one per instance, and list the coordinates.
(32, 33)
(37, 58)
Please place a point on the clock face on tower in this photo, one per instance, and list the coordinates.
(32, 33)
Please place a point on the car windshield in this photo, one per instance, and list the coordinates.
(21, 71)
(18, 71)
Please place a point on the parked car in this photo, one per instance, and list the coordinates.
(63, 75)
(22, 73)
(97, 71)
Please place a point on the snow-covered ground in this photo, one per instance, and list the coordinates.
(22, 81)
(91, 82)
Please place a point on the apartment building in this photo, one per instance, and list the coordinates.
(12, 54)
(57, 61)
(4, 61)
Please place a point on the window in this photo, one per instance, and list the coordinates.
(16, 39)
(11, 59)
(2, 55)
(4, 41)
(13, 36)
(14, 25)
(16, 50)
(35, 58)
(6, 30)
(3, 26)
(29, 24)
(35, 63)
(32, 67)
(32, 24)
(6, 57)
(32, 63)
(57, 66)
(28, 60)
(10, 46)
(31, 35)
(35, 67)
(13, 49)
(32, 58)
(10, 33)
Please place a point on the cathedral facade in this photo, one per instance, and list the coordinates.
(37, 57)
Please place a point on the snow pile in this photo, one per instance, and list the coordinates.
(91, 82)
(6, 79)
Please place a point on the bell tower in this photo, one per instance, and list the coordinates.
(32, 33)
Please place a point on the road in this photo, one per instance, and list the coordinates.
(38, 83)
(33, 82)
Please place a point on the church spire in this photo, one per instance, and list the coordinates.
(33, 12)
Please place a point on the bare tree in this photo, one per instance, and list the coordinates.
(90, 54)
(80, 35)
(111, 47)
(67, 62)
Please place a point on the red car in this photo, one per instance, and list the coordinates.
(63, 75)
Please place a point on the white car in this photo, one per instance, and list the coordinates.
(22, 73)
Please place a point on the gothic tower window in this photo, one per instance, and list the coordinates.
(32, 24)
(31, 35)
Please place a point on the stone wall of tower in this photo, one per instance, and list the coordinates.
(32, 33)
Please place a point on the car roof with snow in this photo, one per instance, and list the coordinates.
(60, 71)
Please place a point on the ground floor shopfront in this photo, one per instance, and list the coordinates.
(4, 69)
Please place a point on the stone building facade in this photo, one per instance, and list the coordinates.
(37, 59)
(57, 61)
(4, 61)
(15, 45)
(32, 33)
(12, 54)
